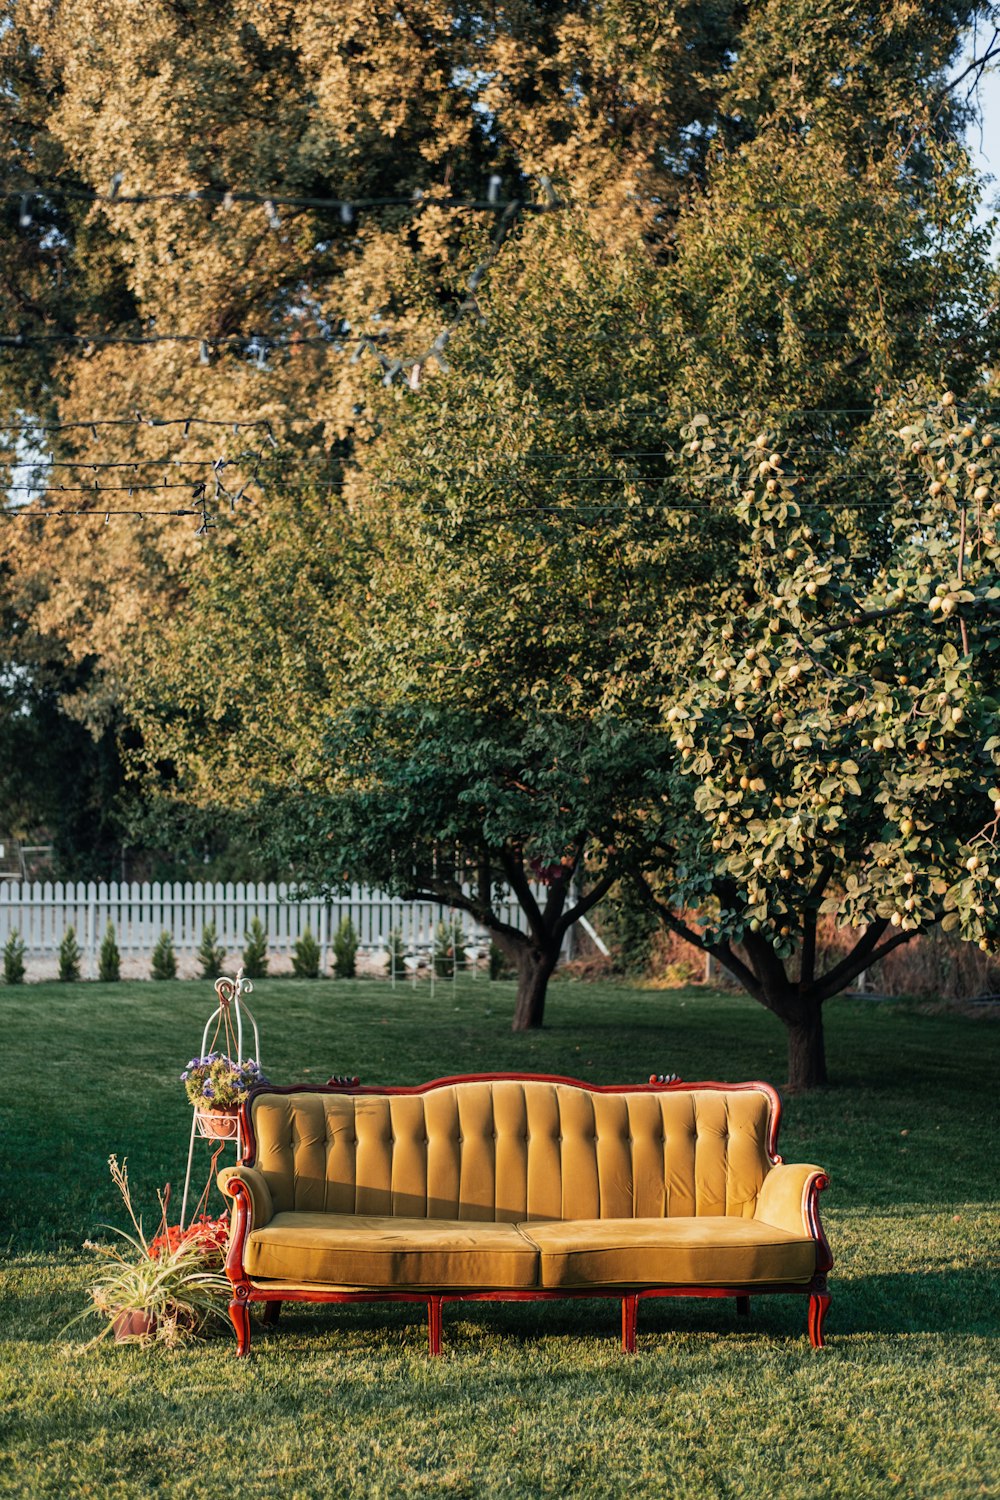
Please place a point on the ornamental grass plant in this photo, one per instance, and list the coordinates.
(174, 1281)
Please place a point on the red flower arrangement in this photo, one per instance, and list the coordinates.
(210, 1236)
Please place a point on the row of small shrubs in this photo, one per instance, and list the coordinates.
(70, 954)
(211, 954)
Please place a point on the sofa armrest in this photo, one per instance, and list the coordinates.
(788, 1200)
(258, 1194)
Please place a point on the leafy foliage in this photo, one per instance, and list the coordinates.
(838, 748)
(628, 925)
(498, 578)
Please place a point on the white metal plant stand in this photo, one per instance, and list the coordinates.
(227, 1018)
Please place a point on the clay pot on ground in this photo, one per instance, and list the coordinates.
(133, 1323)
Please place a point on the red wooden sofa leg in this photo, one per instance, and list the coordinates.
(743, 1306)
(239, 1312)
(272, 1312)
(630, 1315)
(434, 1324)
(818, 1304)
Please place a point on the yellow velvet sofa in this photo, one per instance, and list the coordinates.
(511, 1186)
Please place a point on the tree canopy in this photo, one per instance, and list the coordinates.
(838, 749)
(452, 591)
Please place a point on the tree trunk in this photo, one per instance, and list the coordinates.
(806, 1050)
(534, 970)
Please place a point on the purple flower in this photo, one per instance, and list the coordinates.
(208, 1090)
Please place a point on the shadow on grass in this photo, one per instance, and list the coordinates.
(953, 1302)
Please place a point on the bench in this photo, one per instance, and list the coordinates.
(519, 1187)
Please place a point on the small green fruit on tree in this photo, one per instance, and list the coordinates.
(13, 959)
(306, 956)
(164, 961)
(211, 954)
(109, 960)
(255, 952)
(69, 957)
(345, 950)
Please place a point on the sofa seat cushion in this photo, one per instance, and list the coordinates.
(711, 1251)
(372, 1252)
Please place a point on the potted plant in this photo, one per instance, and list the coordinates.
(162, 1290)
(217, 1086)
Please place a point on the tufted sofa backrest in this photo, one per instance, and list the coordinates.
(514, 1149)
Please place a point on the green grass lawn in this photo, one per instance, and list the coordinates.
(530, 1399)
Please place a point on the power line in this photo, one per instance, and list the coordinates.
(750, 417)
(138, 419)
(345, 206)
(206, 341)
(794, 473)
(19, 462)
(895, 509)
(93, 510)
(267, 342)
(792, 470)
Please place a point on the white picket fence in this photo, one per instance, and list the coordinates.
(41, 911)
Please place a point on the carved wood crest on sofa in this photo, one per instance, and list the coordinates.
(518, 1187)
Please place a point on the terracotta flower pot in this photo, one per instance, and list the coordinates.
(136, 1322)
(222, 1124)
(133, 1323)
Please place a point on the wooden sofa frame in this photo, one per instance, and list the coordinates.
(245, 1292)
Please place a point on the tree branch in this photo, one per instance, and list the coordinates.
(585, 904)
(859, 958)
(722, 951)
(773, 986)
(807, 967)
(975, 66)
(519, 884)
(485, 916)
